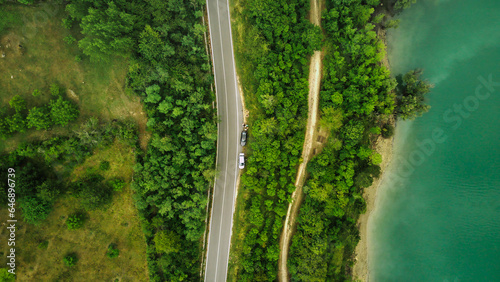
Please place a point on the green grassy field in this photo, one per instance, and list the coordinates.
(44, 58)
(99, 89)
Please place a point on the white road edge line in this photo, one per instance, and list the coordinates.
(238, 101)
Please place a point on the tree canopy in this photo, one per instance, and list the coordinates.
(107, 31)
(167, 242)
(411, 95)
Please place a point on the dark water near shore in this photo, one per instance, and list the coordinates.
(438, 212)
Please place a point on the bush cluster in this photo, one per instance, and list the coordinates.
(104, 166)
(387, 130)
(70, 260)
(58, 111)
(117, 184)
(75, 221)
(43, 245)
(92, 191)
(112, 252)
(38, 186)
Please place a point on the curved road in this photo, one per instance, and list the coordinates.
(230, 114)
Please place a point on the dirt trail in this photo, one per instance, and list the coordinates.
(307, 150)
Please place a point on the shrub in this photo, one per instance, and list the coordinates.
(39, 118)
(387, 130)
(104, 166)
(4, 128)
(16, 123)
(376, 158)
(29, 176)
(375, 130)
(6, 276)
(392, 24)
(67, 23)
(75, 221)
(17, 103)
(36, 93)
(48, 191)
(70, 260)
(66, 150)
(112, 252)
(43, 245)
(127, 132)
(403, 4)
(78, 58)
(117, 184)
(69, 39)
(92, 192)
(91, 170)
(91, 134)
(35, 210)
(167, 242)
(54, 89)
(62, 112)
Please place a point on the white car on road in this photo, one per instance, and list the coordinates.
(241, 162)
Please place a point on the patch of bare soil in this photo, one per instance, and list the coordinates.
(72, 95)
(307, 150)
(11, 46)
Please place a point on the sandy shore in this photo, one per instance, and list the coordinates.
(360, 271)
(385, 148)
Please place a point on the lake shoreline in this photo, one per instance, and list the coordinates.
(385, 148)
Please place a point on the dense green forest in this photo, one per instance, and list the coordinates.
(169, 68)
(358, 89)
(273, 60)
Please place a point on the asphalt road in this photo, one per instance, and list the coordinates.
(229, 111)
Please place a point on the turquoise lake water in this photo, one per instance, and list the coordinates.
(437, 214)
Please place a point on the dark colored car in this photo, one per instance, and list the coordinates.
(243, 140)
